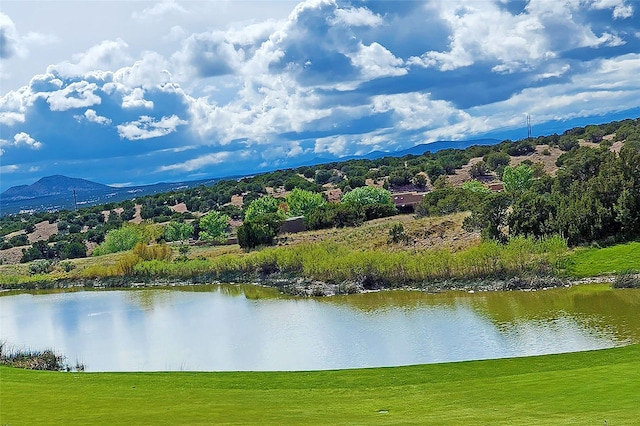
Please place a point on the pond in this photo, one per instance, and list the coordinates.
(243, 328)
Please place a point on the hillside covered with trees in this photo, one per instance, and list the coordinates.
(582, 186)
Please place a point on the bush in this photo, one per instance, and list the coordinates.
(375, 211)
(397, 235)
(479, 169)
(127, 237)
(67, 266)
(40, 266)
(626, 279)
(260, 231)
(153, 252)
(496, 159)
(19, 240)
(335, 215)
(32, 360)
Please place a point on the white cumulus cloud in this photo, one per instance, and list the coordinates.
(146, 127)
(136, 99)
(159, 9)
(376, 61)
(107, 55)
(21, 139)
(93, 117)
(76, 95)
(202, 161)
(357, 17)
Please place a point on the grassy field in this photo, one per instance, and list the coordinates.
(602, 261)
(578, 388)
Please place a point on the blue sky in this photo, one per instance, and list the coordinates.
(136, 92)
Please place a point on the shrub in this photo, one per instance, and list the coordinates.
(117, 240)
(479, 169)
(397, 235)
(626, 279)
(40, 266)
(496, 159)
(153, 252)
(260, 231)
(335, 215)
(67, 266)
(32, 360)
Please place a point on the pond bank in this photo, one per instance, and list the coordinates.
(303, 287)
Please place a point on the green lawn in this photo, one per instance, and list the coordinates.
(581, 388)
(602, 261)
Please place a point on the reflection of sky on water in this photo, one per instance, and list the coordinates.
(174, 330)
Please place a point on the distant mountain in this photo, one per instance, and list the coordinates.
(56, 193)
(431, 147)
(414, 150)
(52, 185)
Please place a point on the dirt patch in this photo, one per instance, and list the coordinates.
(236, 200)
(179, 208)
(616, 147)
(43, 231)
(137, 217)
(463, 174)
(543, 154)
(11, 256)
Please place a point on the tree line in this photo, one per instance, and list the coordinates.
(593, 197)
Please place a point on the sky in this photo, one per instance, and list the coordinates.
(138, 92)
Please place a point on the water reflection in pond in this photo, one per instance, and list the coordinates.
(219, 328)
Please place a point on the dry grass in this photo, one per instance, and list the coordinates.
(425, 233)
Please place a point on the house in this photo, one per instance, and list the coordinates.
(496, 186)
(293, 225)
(407, 201)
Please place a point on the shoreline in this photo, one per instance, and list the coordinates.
(305, 287)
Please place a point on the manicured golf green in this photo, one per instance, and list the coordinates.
(578, 388)
(608, 260)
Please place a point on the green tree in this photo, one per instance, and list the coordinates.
(494, 160)
(368, 195)
(419, 180)
(178, 231)
(479, 169)
(532, 214)
(302, 202)
(489, 217)
(475, 186)
(518, 178)
(323, 176)
(121, 239)
(262, 206)
(259, 231)
(627, 206)
(213, 227)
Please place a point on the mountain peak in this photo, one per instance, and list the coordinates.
(51, 185)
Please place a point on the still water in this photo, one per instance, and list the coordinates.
(216, 328)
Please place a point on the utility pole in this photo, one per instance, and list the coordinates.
(528, 127)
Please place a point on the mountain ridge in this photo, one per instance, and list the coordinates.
(52, 185)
